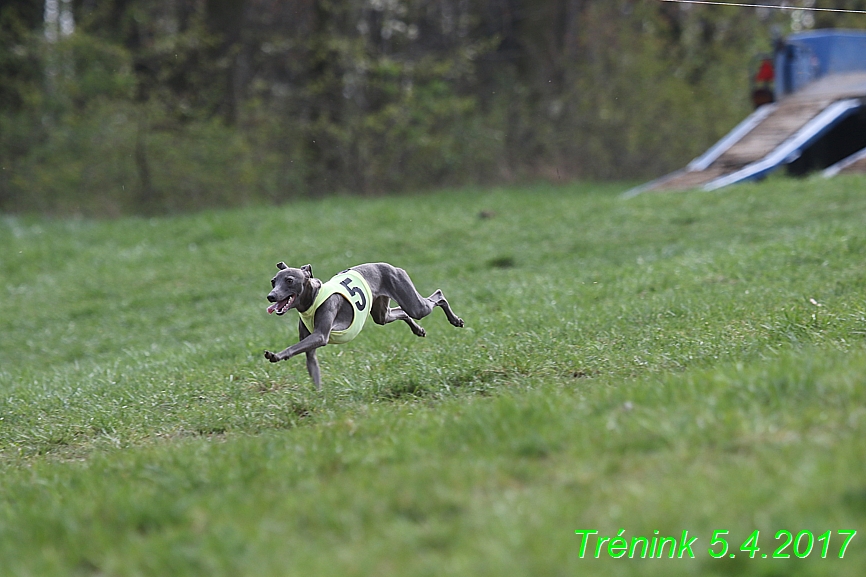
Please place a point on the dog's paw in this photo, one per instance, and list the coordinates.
(271, 356)
(458, 322)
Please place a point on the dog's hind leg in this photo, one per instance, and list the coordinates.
(383, 314)
(439, 300)
(413, 304)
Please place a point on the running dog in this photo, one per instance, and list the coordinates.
(334, 312)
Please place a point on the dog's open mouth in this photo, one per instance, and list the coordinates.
(281, 307)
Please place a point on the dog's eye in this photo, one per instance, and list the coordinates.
(273, 283)
(289, 281)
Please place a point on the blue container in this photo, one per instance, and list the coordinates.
(807, 56)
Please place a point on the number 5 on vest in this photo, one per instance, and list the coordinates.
(355, 291)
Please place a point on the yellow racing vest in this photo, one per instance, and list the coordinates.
(352, 287)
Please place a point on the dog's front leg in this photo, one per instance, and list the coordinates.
(324, 320)
(312, 361)
(311, 343)
(313, 369)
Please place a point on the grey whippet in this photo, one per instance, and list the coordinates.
(335, 311)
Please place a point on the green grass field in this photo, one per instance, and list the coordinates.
(680, 362)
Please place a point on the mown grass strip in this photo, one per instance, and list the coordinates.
(674, 362)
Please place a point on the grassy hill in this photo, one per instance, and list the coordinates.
(682, 362)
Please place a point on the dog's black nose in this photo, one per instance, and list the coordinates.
(272, 298)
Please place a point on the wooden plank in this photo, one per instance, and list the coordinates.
(790, 117)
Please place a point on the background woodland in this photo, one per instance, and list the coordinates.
(111, 107)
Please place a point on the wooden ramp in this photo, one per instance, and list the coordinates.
(773, 135)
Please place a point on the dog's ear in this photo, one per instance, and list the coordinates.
(308, 270)
(282, 266)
